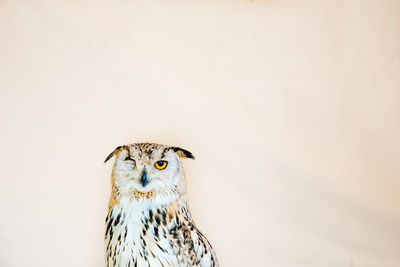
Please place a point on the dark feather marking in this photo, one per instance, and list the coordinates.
(117, 220)
(158, 219)
(156, 231)
(182, 152)
(109, 225)
(161, 248)
(112, 154)
(163, 153)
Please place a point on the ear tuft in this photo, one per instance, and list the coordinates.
(183, 153)
(112, 153)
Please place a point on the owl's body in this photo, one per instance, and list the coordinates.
(149, 223)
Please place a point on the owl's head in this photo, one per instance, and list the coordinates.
(147, 170)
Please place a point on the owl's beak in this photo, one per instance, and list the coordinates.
(144, 181)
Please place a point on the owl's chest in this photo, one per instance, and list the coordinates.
(138, 238)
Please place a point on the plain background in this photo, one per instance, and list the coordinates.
(292, 109)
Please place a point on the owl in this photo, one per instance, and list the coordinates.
(148, 221)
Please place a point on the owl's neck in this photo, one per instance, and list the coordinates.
(135, 202)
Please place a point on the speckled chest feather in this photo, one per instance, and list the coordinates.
(155, 236)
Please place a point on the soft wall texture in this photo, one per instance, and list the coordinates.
(292, 109)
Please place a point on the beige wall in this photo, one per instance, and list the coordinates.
(291, 107)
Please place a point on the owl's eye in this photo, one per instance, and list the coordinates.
(161, 164)
(129, 158)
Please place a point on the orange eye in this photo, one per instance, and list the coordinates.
(161, 164)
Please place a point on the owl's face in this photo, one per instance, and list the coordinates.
(148, 168)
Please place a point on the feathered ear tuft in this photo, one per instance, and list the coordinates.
(183, 153)
(112, 153)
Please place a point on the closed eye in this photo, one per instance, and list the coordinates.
(130, 159)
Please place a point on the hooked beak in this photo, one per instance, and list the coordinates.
(144, 181)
